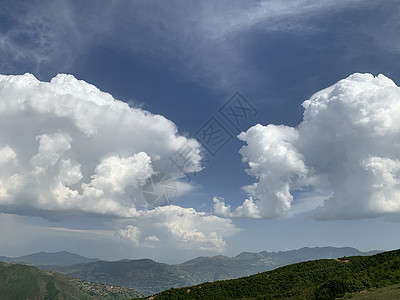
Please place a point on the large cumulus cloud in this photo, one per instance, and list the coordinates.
(65, 145)
(346, 148)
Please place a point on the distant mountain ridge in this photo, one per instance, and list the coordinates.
(149, 277)
(61, 259)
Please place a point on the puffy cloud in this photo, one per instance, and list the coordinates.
(177, 227)
(67, 146)
(115, 174)
(152, 238)
(130, 233)
(51, 149)
(346, 148)
(220, 208)
(278, 166)
(7, 154)
(247, 210)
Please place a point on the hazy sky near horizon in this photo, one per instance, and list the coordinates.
(174, 129)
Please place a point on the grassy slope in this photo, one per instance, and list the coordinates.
(26, 282)
(387, 293)
(320, 279)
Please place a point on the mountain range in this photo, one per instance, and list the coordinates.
(354, 277)
(150, 277)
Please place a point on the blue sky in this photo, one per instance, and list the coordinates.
(183, 60)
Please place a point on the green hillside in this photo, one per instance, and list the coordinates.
(319, 279)
(27, 282)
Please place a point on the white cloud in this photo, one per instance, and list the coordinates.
(7, 154)
(180, 228)
(13, 181)
(276, 164)
(248, 209)
(152, 238)
(130, 233)
(67, 146)
(220, 208)
(115, 175)
(51, 149)
(346, 148)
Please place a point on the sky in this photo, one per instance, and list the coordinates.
(175, 129)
